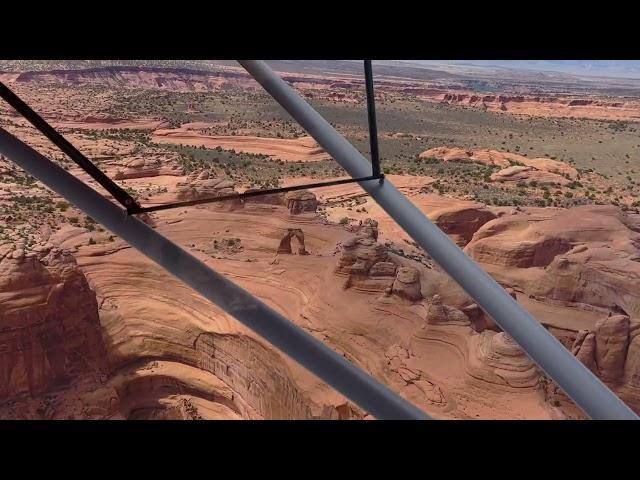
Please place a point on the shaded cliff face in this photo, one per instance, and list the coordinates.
(49, 325)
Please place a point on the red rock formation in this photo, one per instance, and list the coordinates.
(461, 222)
(300, 201)
(358, 255)
(200, 185)
(612, 351)
(400, 360)
(285, 242)
(605, 349)
(612, 344)
(370, 268)
(544, 168)
(49, 325)
(438, 313)
(383, 269)
(584, 348)
(366, 229)
(268, 199)
(582, 255)
(448, 154)
(519, 173)
(407, 284)
(506, 361)
(141, 168)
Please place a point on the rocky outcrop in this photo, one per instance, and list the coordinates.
(519, 173)
(448, 154)
(259, 377)
(383, 269)
(438, 313)
(141, 168)
(612, 344)
(611, 350)
(497, 358)
(358, 255)
(503, 160)
(605, 349)
(370, 268)
(582, 255)
(366, 229)
(407, 284)
(584, 348)
(300, 201)
(461, 221)
(285, 242)
(551, 166)
(264, 199)
(544, 106)
(632, 363)
(201, 185)
(49, 325)
(491, 359)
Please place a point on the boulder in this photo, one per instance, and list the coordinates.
(367, 229)
(358, 255)
(300, 201)
(407, 284)
(438, 313)
(383, 269)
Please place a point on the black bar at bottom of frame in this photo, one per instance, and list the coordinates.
(257, 193)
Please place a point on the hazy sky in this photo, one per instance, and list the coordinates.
(600, 68)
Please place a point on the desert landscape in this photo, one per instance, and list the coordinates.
(534, 180)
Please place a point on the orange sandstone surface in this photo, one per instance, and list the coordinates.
(149, 347)
(298, 149)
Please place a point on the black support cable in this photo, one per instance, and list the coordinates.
(130, 203)
(63, 144)
(371, 113)
(257, 193)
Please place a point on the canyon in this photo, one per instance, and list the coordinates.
(91, 329)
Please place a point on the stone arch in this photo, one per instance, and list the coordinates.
(285, 243)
